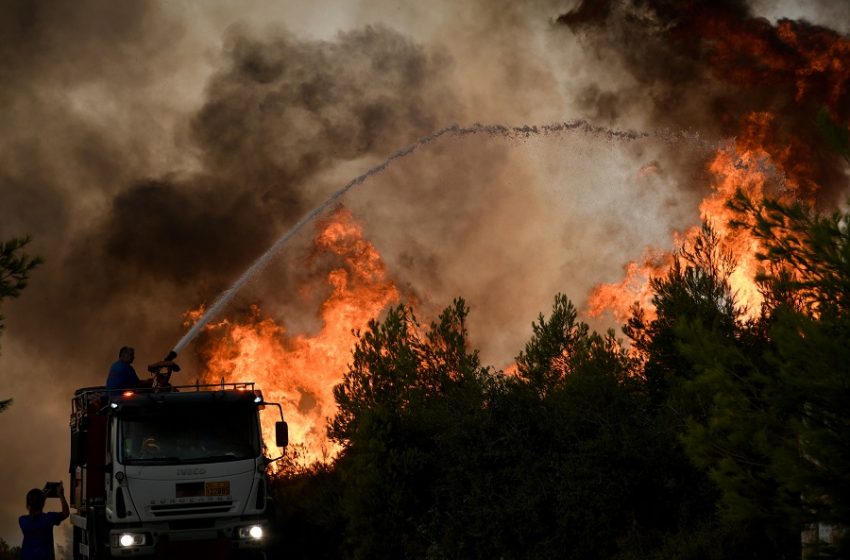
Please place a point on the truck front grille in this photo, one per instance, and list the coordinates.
(186, 524)
(191, 508)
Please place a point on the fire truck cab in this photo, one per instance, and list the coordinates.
(178, 473)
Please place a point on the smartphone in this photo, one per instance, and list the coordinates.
(51, 489)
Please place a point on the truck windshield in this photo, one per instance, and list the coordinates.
(193, 434)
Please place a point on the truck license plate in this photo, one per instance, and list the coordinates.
(218, 488)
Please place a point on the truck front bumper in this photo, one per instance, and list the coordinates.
(160, 538)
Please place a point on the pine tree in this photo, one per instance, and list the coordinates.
(15, 268)
(704, 368)
(807, 282)
(405, 392)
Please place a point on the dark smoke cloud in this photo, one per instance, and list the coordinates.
(132, 241)
(278, 112)
(712, 64)
(285, 108)
(153, 156)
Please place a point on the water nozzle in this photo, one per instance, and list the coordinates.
(163, 370)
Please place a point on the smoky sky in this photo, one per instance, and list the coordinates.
(129, 243)
(153, 150)
(721, 63)
(276, 113)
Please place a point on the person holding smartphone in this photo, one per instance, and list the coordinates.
(37, 525)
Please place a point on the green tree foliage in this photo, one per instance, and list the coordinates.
(768, 419)
(807, 282)
(306, 512)
(721, 432)
(446, 459)
(811, 357)
(732, 431)
(401, 392)
(593, 458)
(15, 267)
(695, 289)
(555, 346)
(695, 355)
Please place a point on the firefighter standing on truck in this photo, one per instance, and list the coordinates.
(121, 374)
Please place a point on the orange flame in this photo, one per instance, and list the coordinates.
(619, 297)
(748, 167)
(300, 371)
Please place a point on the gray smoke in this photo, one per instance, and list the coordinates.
(713, 64)
(153, 150)
(133, 235)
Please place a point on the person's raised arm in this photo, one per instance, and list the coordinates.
(66, 511)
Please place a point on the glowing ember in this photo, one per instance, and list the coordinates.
(301, 371)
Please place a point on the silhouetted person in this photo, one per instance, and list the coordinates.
(37, 526)
(121, 374)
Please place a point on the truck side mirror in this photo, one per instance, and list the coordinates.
(281, 434)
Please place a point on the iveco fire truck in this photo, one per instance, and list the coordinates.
(170, 472)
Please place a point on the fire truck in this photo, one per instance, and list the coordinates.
(170, 472)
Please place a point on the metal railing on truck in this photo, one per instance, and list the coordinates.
(88, 398)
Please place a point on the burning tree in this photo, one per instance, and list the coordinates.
(779, 91)
(302, 370)
(775, 429)
(760, 399)
(719, 433)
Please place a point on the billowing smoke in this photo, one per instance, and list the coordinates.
(773, 88)
(154, 150)
(278, 113)
(721, 65)
(147, 192)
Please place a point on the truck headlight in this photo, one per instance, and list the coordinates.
(126, 540)
(251, 532)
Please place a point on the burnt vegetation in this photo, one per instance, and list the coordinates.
(710, 433)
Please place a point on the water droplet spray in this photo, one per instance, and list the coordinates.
(524, 131)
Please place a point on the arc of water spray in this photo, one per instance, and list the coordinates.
(524, 131)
